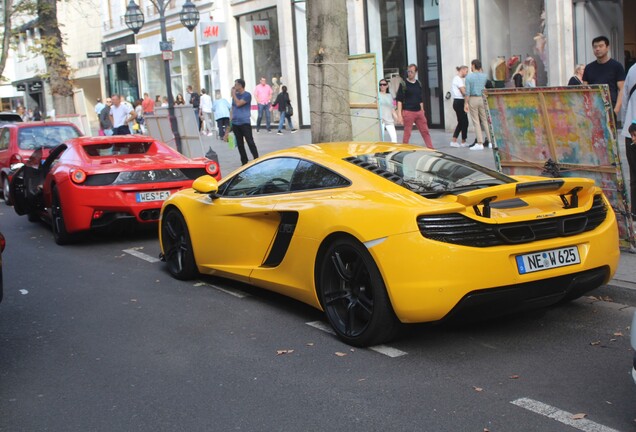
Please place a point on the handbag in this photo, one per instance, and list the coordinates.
(289, 110)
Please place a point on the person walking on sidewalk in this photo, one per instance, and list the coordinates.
(458, 90)
(605, 70)
(387, 110)
(240, 115)
(221, 108)
(474, 104)
(206, 112)
(120, 115)
(263, 95)
(410, 107)
(148, 105)
(284, 106)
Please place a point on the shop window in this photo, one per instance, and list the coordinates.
(393, 37)
(260, 46)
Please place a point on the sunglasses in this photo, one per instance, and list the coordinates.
(384, 84)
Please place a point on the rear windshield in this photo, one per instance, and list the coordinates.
(430, 174)
(35, 137)
(120, 148)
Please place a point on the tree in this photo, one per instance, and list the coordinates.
(327, 46)
(51, 47)
(7, 7)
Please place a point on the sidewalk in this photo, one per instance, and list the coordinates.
(625, 276)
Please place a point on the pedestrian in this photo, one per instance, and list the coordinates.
(628, 114)
(179, 100)
(284, 108)
(458, 91)
(195, 101)
(138, 124)
(164, 102)
(275, 92)
(158, 101)
(120, 115)
(387, 110)
(605, 70)
(263, 95)
(474, 103)
(517, 77)
(410, 107)
(147, 105)
(105, 121)
(529, 79)
(206, 112)
(577, 78)
(37, 113)
(22, 113)
(221, 108)
(240, 115)
(99, 106)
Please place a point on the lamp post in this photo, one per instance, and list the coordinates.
(189, 17)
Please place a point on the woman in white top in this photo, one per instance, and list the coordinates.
(458, 91)
(387, 110)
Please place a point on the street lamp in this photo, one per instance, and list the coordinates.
(189, 17)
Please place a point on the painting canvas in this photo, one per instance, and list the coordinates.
(560, 131)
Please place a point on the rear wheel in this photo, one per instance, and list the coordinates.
(60, 234)
(177, 246)
(354, 296)
(6, 193)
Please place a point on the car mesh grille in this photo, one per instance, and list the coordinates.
(193, 173)
(458, 229)
(100, 179)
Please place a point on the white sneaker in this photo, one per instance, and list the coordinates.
(454, 144)
(477, 146)
(463, 144)
(210, 133)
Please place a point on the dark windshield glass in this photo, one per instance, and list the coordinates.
(48, 136)
(430, 174)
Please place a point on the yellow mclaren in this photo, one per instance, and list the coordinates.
(376, 235)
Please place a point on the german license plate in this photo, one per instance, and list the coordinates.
(152, 196)
(549, 259)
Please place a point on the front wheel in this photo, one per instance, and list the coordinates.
(353, 295)
(6, 191)
(177, 246)
(60, 234)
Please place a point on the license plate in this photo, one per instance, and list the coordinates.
(152, 196)
(549, 259)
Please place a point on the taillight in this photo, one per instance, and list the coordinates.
(3, 243)
(212, 168)
(78, 176)
(15, 159)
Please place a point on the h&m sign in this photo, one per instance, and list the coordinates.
(213, 31)
(260, 30)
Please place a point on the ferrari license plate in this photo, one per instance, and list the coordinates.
(152, 196)
(549, 259)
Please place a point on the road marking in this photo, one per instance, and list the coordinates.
(231, 291)
(560, 415)
(382, 349)
(143, 256)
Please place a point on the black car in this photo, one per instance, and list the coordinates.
(9, 117)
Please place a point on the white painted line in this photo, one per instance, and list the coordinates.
(143, 256)
(561, 416)
(388, 351)
(233, 292)
(382, 349)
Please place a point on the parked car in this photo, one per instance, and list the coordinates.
(87, 183)
(19, 140)
(3, 243)
(9, 117)
(376, 235)
(634, 347)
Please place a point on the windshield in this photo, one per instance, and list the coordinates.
(46, 136)
(430, 174)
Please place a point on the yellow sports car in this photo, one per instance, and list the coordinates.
(376, 235)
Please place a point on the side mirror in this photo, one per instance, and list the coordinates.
(206, 185)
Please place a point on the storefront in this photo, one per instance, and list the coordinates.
(213, 39)
(121, 69)
(34, 96)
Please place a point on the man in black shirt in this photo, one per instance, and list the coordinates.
(410, 107)
(605, 70)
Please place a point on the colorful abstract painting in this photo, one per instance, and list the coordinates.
(560, 131)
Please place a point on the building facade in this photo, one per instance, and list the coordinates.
(254, 38)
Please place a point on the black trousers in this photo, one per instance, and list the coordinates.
(630, 149)
(462, 119)
(244, 133)
(121, 130)
(222, 124)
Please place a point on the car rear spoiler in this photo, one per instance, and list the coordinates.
(568, 189)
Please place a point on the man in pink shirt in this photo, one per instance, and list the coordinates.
(263, 95)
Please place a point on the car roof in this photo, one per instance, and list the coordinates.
(342, 150)
(40, 124)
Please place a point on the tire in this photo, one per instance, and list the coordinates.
(353, 295)
(177, 247)
(33, 217)
(60, 235)
(6, 193)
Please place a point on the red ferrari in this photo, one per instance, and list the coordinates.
(100, 182)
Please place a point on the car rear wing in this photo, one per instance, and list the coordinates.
(568, 189)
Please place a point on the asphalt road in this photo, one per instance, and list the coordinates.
(96, 337)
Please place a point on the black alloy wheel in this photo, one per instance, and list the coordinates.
(60, 235)
(177, 246)
(353, 295)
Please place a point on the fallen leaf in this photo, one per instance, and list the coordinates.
(514, 377)
(284, 351)
(618, 334)
(133, 300)
(579, 416)
(362, 379)
(340, 354)
(198, 284)
(478, 389)
(310, 344)
(595, 343)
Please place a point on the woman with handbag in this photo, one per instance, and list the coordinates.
(285, 109)
(387, 110)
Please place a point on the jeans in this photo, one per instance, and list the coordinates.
(264, 108)
(281, 123)
(244, 133)
(462, 119)
(419, 119)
